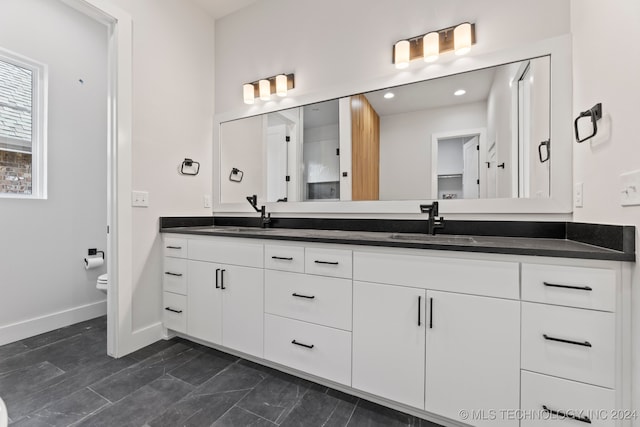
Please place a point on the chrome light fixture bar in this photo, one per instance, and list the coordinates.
(429, 46)
(264, 88)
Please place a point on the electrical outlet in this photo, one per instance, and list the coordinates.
(630, 188)
(577, 195)
(206, 201)
(140, 199)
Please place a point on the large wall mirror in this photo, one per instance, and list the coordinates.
(478, 140)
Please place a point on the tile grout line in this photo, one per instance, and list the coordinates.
(105, 398)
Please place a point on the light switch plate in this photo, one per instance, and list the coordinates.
(140, 199)
(630, 188)
(578, 192)
(206, 201)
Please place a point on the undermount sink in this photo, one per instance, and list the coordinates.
(428, 238)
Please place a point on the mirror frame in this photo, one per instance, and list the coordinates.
(560, 200)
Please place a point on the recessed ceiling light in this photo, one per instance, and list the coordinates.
(459, 92)
(388, 95)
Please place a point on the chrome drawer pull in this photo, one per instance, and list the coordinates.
(173, 274)
(282, 258)
(174, 247)
(303, 296)
(584, 344)
(326, 262)
(302, 345)
(563, 414)
(173, 310)
(578, 288)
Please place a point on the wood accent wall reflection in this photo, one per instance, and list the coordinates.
(365, 146)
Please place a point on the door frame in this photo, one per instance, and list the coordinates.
(119, 176)
(482, 156)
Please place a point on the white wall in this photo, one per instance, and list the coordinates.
(173, 72)
(405, 147)
(333, 44)
(608, 74)
(43, 242)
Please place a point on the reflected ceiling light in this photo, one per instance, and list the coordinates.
(389, 95)
(264, 88)
(431, 45)
(459, 92)
(248, 92)
(402, 54)
(462, 39)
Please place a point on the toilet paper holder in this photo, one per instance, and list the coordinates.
(94, 251)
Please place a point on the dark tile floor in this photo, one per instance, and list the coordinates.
(64, 378)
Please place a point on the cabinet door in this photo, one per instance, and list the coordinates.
(388, 342)
(242, 290)
(473, 356)
(204, 302)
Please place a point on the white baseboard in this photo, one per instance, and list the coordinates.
(39, 325)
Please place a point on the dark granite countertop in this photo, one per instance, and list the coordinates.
(514, 245)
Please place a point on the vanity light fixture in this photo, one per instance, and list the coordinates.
(429, 46)
(264, 88)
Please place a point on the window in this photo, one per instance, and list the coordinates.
(22, 127)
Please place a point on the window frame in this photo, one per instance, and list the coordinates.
(39, 116)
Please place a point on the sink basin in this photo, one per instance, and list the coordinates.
(437, 239)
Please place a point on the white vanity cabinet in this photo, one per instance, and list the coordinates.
(515, 341)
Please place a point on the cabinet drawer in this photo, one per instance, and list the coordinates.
(466, 276)
(328, 262)
(318, 350)
(316, 299)
(593, 288)
(579, 344)
(175, 247)
(174, 313)
(287, 258)
(227, 251)
(560, 397)
(174, 275)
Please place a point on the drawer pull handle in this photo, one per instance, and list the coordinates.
(173, 274)
(303, 296)
(326, 262)
(584, 343)
(222, 279)
(302, 345)
(174, 247)
(217, 280)
(282, 258)
(173, 310)
(579, 288)
(563, 414)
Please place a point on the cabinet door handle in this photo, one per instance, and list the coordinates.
(222, 279)
(578, 288)
(174, 247)
(419, 310)
(563, 414)
(282, 258)
(173, 274)
(303, 296)
(430, 313)
(217, 283)
(326, 262)
(173, 310)
(581, 343)
(302, 345)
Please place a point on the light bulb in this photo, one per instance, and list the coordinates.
(281, 85)
(462, 38)
(402, 54)
(248, 92)
(431, 47)
(265, 90)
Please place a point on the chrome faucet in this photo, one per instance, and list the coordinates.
(265, 219)
(433, 222)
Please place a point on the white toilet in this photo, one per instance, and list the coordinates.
(4, 417)
(102, 283)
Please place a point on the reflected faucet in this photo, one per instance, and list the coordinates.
(433, 222)
(265, 219)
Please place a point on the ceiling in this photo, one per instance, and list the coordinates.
(220, 8)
